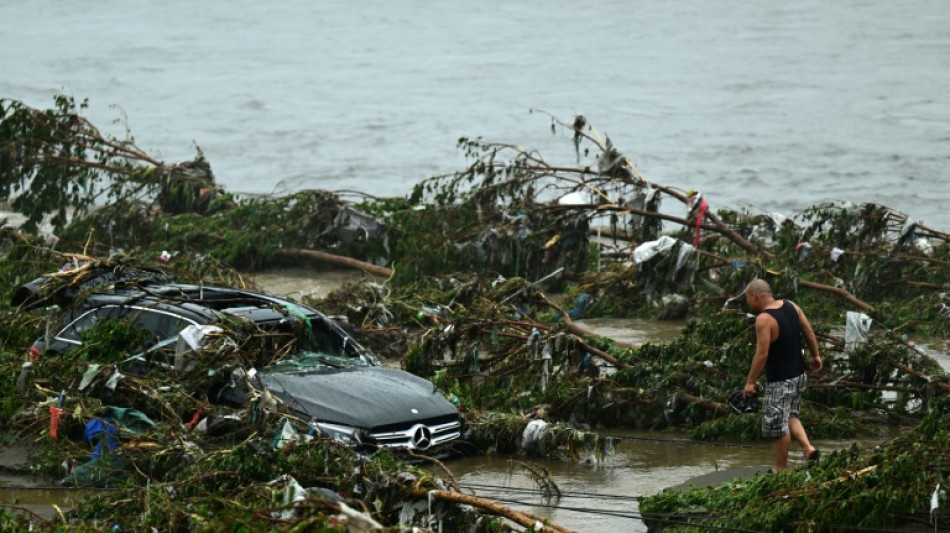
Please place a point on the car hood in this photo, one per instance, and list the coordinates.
(365, 397)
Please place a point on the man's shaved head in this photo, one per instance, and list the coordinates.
(758, 286)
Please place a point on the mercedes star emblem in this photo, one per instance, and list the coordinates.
(422, 437)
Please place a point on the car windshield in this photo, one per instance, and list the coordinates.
(307, 360)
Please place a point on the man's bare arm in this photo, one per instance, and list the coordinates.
(763, 339)
(810, 340)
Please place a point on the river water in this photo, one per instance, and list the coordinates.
(774, 105)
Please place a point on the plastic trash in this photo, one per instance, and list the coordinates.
(908, 232)
(577, 312)
(923, 244)
(351, 224)
(24, 375)
(573, 198)
(88, 376)
(114, 380)
(99, 432)
(286, 436)
(651, 249)
(55, 413)
(293, 493)
(803, 248)
(836, 253)
(697, 211)
(533, 337)
(130, 422)
(532, 434)
(685, 253)
(856, 329)
(195, 337)
(935, 503)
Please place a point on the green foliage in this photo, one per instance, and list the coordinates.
(485, 219)
(111, 341)
(39, 151)
(464, 307)
(850, 488)
(55, 162)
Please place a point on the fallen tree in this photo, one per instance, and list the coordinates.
(486, 272)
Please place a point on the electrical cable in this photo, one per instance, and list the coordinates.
(522, 490)
(591, 510)
(57, 488)
(618, 513)
(681, 441)
(631, 515)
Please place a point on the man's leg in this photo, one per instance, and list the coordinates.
(775, 420)
(782, 444)
(797, 430)
(795, 427)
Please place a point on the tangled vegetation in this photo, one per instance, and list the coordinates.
(891, 485)
(474, 282)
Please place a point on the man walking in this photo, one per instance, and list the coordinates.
(779, 329)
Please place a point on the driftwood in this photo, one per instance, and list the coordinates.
(721, 227)
(839, 291)
(339, 260)
(717, 225)
(440, 464)
(933, 233)
(857, 385)
(581, 332)
(702, 402)
(922, 259)
(521, 518)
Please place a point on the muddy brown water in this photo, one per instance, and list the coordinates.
(596, 496)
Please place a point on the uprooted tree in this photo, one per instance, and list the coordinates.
(472, 253)
(486, 271)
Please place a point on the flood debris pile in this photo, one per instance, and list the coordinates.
(75, 184)
(900, 483)
(505, 342)
(476, 282)
(532, 359)
(153, 421)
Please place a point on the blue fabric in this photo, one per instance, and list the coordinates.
(577, 312)
(98, 426)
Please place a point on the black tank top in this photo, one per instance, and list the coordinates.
(785, 359)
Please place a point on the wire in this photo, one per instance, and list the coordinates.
(682, 441)
(521, 490)
(591, 510)
(665, 519)
(57, 488)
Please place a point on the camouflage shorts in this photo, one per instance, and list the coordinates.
(783, 400)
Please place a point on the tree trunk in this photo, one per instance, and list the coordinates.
(338, 260)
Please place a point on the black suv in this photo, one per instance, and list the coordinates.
(330, 380)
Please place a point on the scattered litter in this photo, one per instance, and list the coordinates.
(651, 249)
(857, 326)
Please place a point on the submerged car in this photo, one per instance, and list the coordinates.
(328, 379)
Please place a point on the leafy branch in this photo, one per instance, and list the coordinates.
(54, 163)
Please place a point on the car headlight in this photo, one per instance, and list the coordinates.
(346, 435)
